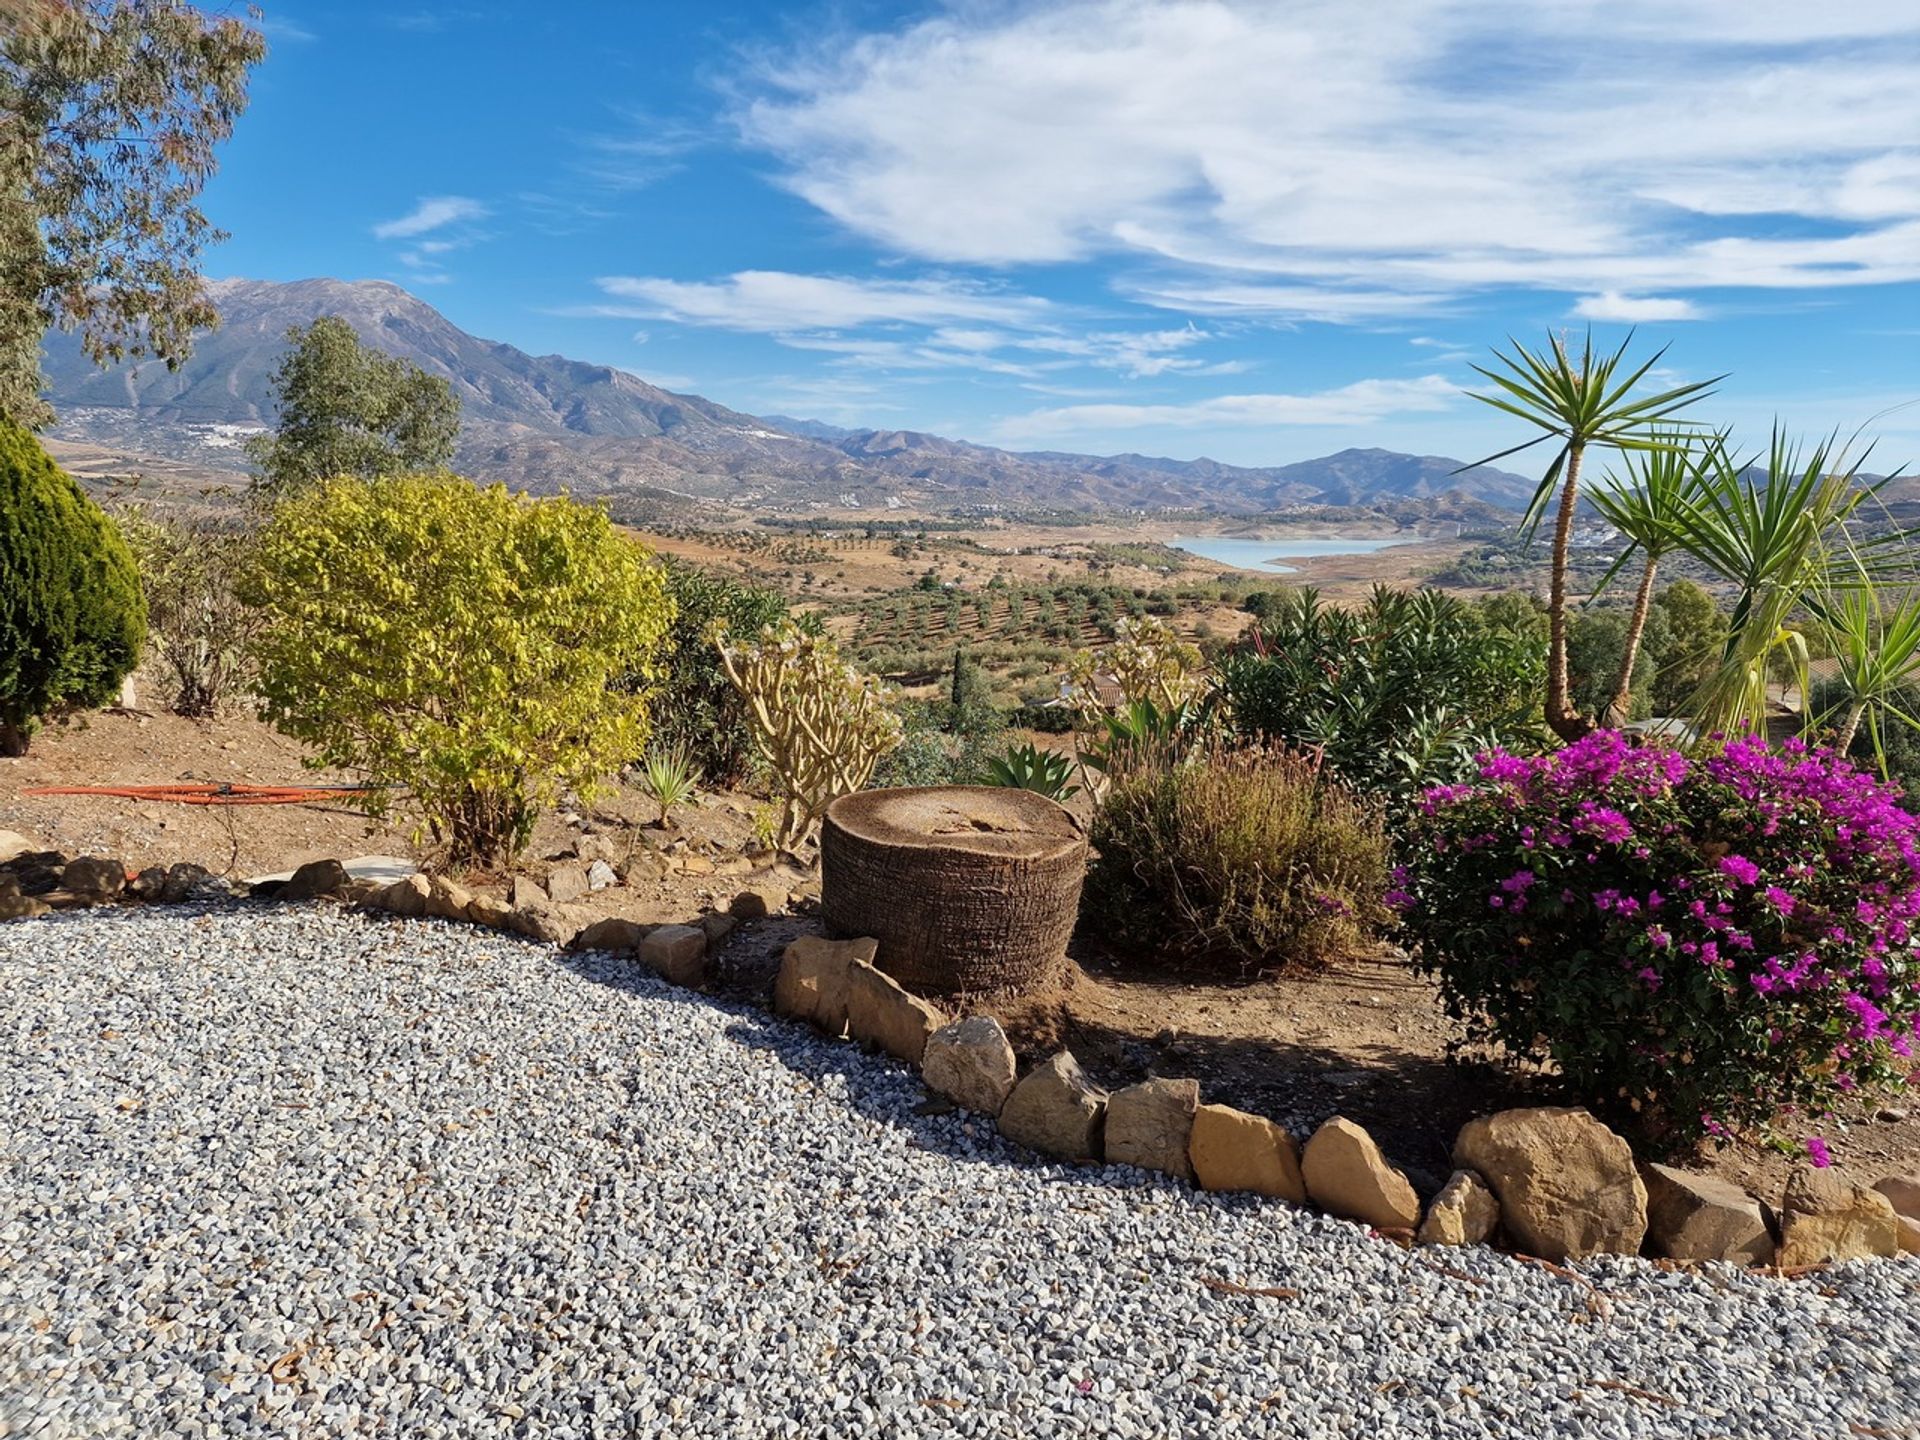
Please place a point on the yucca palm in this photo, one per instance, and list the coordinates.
(1649, 505)
(1874, 637)
(1580, 402)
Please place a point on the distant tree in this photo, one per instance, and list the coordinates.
(1696, 640)
(110, 113)
(1597, 642)
(349, 409)
(71, 616)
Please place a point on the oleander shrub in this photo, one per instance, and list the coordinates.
(1252, 859)
(472, 650)
(72, 618)
(1696, 944)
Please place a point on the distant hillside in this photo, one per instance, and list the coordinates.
(547, 422)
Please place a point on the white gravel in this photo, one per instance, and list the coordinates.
(294, 1172)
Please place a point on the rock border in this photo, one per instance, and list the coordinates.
(1548, 1183)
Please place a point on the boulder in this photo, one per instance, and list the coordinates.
(601, 876)
(314, 879)
(22, 907)
(1463, 1213)
(971, 1063)
(1232, 1150)
(1906, 1234)
(525, 890)
(882, 1013)
(448, 901)
(13, 845)
(407, 896)
(37, 871)
(184, 881)
(759, 902)
(1056, 1110)
(1346, 1175)
(490, 911)
(94, 876)
(717, 928)
(1697, 1217)
(566, 883)
(611, 933)
(676, 953)
(812, 983)
(1903, 1192)
(538, 920)
(1151, 1125)
(9, 886)
(1825, 1218)
(1567, 1184)
(149, 884)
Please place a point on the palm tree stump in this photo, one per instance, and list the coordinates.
(966, 887)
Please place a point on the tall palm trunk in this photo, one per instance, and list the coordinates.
(1849, 727)
(1620, 708)
(1565, 721)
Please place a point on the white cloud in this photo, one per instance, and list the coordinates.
(1361, 403)
(774, 302)
(434, 212)
(1338, 162)
(1635, 309)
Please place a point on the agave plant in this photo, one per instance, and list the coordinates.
(1579, 402)
(669, 778)
(1028, 767)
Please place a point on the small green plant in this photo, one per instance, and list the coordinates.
(72, 618)
(1255, 859)
(1027, 767)
(668, 777)
(197, 624)
(821, 725)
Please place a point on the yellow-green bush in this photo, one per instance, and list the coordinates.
(472, 647)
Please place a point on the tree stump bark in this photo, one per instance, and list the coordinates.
(966, 887)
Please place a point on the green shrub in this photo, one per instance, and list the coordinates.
(72, 618)
(468, 646)
(696, 707)
(197, 623)
(1253, 858)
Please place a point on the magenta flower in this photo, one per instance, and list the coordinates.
(1741, 869)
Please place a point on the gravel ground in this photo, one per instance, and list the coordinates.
(296, 1172)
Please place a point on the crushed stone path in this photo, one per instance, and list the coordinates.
(294, 1171)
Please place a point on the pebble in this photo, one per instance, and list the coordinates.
(296, 1171)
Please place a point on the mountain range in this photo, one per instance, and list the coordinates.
(546, 422)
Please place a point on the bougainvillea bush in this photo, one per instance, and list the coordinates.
(1697, 944)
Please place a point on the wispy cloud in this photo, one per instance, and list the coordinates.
(1361, 403)
(778, 302)
(1418, 151)
(1635, 309)
(433, 212)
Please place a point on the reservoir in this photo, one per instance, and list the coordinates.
(1269, 555)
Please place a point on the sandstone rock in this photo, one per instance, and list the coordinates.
(695, 865)
(149, 884)
(406, 896)
(611, 933)
(812, 983)
(881, 1012)
(1824, 1217)
(92, 875)
(676, 953)
(600, 876)
(1463, 1213)
(1697, 1217)
(1903, 1191)
(315, 878)
(1232, 1150)
(9, 886)
(361, 891)
(525, 890)
(37, 871)
(1150, 1125)
(448, 901)
(184, 881)
(13, 845)
(1567, 1185)
(1346, 1175)
(22, 907)
(717, 928)
(566, 883)
(1056, 1110)
(971, 1063)
(758, 903)
(553, 924)
(489, 910)
(1906, 1234)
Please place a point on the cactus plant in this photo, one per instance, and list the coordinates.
(820, 725)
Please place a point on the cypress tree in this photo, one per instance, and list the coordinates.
(72, 616)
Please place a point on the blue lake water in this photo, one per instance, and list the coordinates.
(1245, 554)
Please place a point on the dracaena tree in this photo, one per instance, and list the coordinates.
(1581, 401)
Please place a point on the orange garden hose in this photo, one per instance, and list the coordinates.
(213, 794)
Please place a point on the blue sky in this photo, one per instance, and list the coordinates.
(1258, 232)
